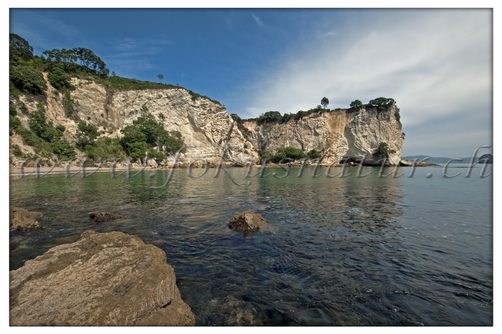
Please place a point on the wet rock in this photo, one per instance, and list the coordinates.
(22, 219)
(101, 279)
(104, 216)
(247, 221)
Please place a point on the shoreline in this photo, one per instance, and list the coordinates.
(73, 169)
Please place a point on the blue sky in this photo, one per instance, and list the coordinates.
(437, 64)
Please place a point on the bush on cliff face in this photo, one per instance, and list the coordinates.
(43, 129)
(145, 134)
(58, 78)
(28, 79)
(288, 153)
(104, 148)
(63, 149)
(86, 134)
(356, 105)
(398, 116)
(313, 154)
(266, 155)
(381, 103)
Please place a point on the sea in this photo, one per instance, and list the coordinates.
(353, 246)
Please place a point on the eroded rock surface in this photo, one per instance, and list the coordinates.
(247, 221)
(102, 279)
(22, 219)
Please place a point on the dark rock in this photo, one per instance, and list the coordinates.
(22, 219)
(247, 221)
(102, 279)
(104, 216)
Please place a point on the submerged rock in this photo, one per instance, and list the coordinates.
(22, 219)
(102, 279)
(247, 221)
(104, 216)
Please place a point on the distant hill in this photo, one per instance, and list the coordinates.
(436, 160)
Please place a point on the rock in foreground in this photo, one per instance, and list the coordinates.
(22, 219)
(102, 279)
(104, 216)
(247, 221)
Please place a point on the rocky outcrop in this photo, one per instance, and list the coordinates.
(102, 279)
(199, 121)
(338, 134)
(247, 221)
(104, 216)
(22, 219)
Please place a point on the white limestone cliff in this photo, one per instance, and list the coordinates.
(341, 133)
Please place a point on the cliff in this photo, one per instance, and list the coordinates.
(338, 134)
(207, 125)
(200, 121)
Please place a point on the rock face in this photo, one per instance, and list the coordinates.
(22, 219)
(102, 279)
(343, 133)
(247, 221)
(104, 216)
(199, 121)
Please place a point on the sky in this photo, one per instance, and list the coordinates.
(436, 63)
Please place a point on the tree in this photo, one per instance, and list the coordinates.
(356, 104)
(86, 134)
(63, 149)
(161, 77)
(19, 47)
(380, 103)
(324, 102)
(235, 117)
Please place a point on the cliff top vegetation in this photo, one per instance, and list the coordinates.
(26, 71)
(380, 103)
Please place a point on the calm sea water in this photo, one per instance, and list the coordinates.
(338, 251)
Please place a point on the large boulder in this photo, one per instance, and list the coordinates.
(247, 221)
(22, 219)
(102, 279)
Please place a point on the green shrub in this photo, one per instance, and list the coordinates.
(31, 139)
(12, 111)
(63, 149)
(397, 115)
(14, 122)
(236, 117)
(288, 152)
(23, 108)
(86, 134)
(313, 154)
(28, 79)
(266, 155)
(381, 103)
(58, 78)
(104, 148)
(382, 150)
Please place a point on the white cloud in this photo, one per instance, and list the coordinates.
(258, 20)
